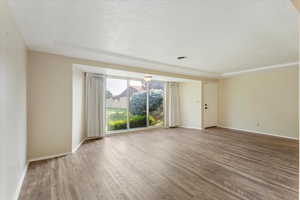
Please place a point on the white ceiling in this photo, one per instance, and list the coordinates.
(217, 36)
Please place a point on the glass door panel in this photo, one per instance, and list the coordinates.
(137, 104)
(156, 103)
(116, 104)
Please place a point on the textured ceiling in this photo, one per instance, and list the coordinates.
(216, 36)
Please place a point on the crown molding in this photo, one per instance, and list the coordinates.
(259, 69)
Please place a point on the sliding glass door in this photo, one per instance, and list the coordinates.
(133, 104)
(137, 104)
(116, 104)
(156, 103)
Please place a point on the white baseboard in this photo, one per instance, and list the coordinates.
(191, 127)
(258, 132)
(20, 183)
(59, 155)
(19, 186)
(49, 157)
(76, 148)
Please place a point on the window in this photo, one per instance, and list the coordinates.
(116, 104)
(156, 103)
(137, 104)
(133, 104)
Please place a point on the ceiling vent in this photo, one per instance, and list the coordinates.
(181, 57)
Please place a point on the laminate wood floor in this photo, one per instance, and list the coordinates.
(170, 164)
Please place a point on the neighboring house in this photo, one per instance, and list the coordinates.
(117, 103)
(120, 101)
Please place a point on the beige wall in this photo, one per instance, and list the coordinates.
(190, 105)
(296, 4)
(49, 105)
(12, 105)
(50, 101)
(265, 101)
(78, 121)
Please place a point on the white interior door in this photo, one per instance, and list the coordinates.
(210, 104)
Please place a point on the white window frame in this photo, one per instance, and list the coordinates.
(128, 129)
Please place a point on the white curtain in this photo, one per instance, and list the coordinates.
(95, 94)
(172, 113)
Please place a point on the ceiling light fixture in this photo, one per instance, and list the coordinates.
(181, 57)
(147, 78)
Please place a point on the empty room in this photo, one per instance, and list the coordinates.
(149, 100)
